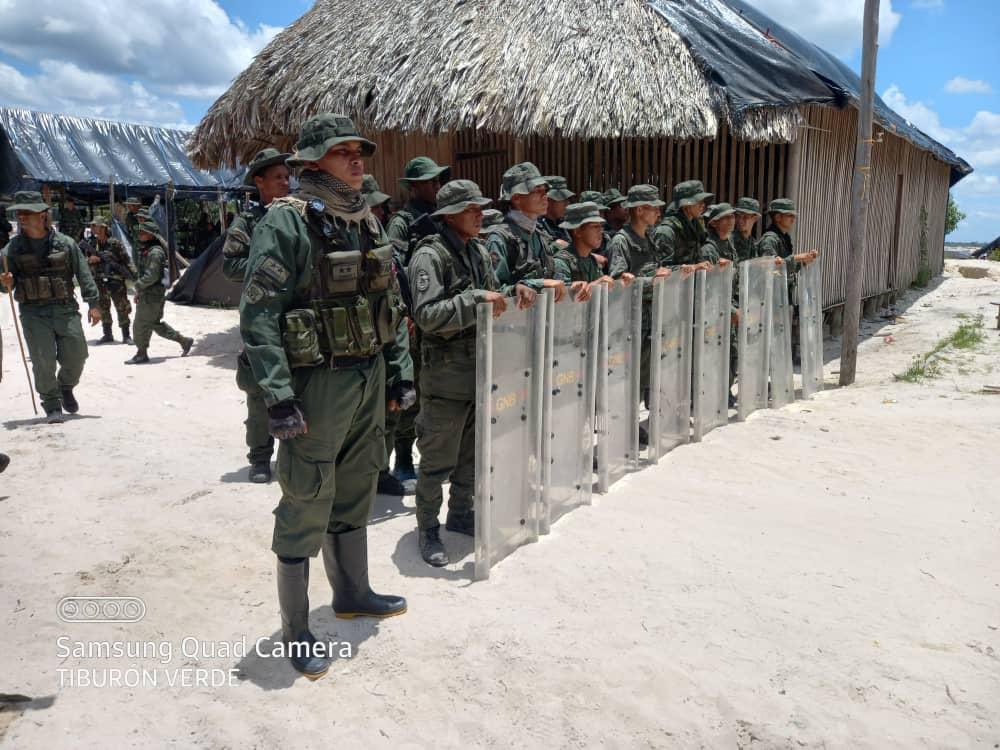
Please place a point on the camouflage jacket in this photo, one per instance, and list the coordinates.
(236, 248)
(114, 263)
(630, 253)
(519, 257)
(553, 230)
(746, 248)
(678, 240)
(572, 267)
(398, 228)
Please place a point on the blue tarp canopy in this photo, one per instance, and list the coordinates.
(82, 154)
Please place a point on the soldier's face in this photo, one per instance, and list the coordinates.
(426, 190)
(467, 223)
(533, 204)
(724, 226)
(648, 214)
(693, 212)
(556, 209)
(345, 162)
(618, 213)
(32, 224)
(272, 183)
(100, 232)
(589, 236)
(745, 222)
(784, 222)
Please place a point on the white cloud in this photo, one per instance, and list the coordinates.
(979, 184)
(919, 114)
(189, 48)
(835, 25)
(962, 85)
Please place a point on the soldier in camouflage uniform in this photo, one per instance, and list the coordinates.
(150, 295)
(319, 305)
(747, 213)
(268, 174)
(42, 265)
(421, 179)
(681, 234)
(132, 221)
(519, 248)
(617, 215)
(559, 196)
(377, 201)
(111, 267)
(576, 265)
(719, 250)
(491, 217)
(70, 221)
(451, 272)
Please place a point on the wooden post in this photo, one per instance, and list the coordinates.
(222, 213)
(111, 196)
(860, 197)
(168, 209)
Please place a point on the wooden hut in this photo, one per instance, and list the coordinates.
(606, 93)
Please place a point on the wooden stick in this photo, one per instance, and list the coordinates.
(20, 343)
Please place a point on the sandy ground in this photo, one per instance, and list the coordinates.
(825, 575)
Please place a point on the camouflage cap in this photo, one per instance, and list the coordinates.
(717, 211)
(558, 188)
(264, 159)
(747, 206)
(28, 200)
(457, 195)
(423, 168)
(582, 213)
(133, 201)
(593, 196)
(150, 227)
(690, 193)
(643, 195)
(372, 192)
(521, 179)
(612, 196)
(322, 132)
(782, 206)
(99, 221)
(491, 217)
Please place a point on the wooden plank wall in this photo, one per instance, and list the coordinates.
(395, 149)
(823, 187)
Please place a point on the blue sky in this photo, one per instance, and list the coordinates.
(939, 65)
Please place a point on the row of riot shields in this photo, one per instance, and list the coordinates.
(559, 385)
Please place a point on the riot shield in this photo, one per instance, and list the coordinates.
(568, 406)
(509, 366)
(782, 377)
(619, 355)
(712, 313)
(754, 335)
(670, 363)
(810, 286)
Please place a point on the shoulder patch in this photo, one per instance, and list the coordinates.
(297, 204)
(423, 280)
(271, 270)
(254, 293)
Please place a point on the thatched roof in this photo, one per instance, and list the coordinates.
(585, 68)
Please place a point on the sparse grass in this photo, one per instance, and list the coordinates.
(968, 335)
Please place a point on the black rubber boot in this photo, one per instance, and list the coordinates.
(462, 523)
(69, 403)
(260, 472)
(293, 598)
(107, 338)
(4, 462)
(403, 469)
(186, 345)
(643, 436)
(345, 557)
(55, 416)
(431, 548)
(140, 358)
(126, 338)
(389, 485)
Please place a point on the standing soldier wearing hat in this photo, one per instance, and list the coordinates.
(132, 221)
(680, 236)
(150, 294)
(518, 247)
(377, 201)
(42, 264)
(559, 195)
(111, 267)
(617, 216)
(576, 265)
(719, 250)
(318, 307)
(70, 220)
(451, 273)
(422, 179)
(269, 175)
(747, 213)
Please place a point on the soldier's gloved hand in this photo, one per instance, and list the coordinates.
(402, 396)
(286, 421)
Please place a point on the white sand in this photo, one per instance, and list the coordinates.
(826, 575)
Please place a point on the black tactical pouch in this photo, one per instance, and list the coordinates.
(300, 338)
(378, 269)
(340, 272)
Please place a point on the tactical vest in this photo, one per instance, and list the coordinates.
(575, 263)
(351, 308)
(41, 280)
(526, 267)
(689, 236)
(110, 269)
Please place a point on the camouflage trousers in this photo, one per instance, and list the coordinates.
(114, 291)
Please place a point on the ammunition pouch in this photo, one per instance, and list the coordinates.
(44, 280)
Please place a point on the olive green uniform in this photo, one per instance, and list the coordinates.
(43, 273)
(448, 280)
(552, 229)
(132, 222)
(71, 223)
(519, 256)
(151, 287)
(777, 243)
(110, 273)
(235, 257)
(571, 266)
(318, 305)
(745, 247)
(678, 240)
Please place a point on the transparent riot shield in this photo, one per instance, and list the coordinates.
(712, 314)
(782, 378)
(754, 330)
(568, 406)
(670, 363)
(810, 286)
(509, 367)
(619, 354)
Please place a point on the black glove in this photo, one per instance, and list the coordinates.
(286, 421)
(404, 394)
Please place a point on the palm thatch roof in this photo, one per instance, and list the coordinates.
(575, 68)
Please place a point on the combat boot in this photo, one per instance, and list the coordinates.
(403, 470)
(293, 598)
(389, 485)
(462, 522)
(4, 462)
(431, 548)
(69, 401)
(186, 345)
(260, 472)
(54, 415)
(345, 557)
(107, 338)
(126, 338)
(140, 358)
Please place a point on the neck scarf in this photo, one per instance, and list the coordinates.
(340, 198)
(522, 220)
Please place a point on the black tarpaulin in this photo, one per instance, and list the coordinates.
(83, 153)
